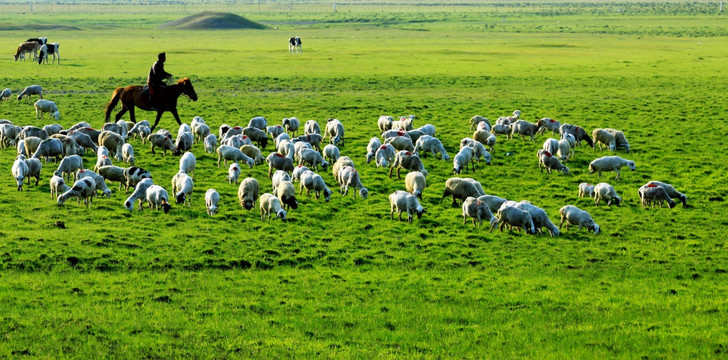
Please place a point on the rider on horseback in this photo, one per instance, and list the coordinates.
(156, 78)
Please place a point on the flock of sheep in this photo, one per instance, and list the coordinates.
(298, 159)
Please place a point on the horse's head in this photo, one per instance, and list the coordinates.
(187, 88)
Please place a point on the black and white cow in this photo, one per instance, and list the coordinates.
(41, 41)
(294, 45)
(49, 49)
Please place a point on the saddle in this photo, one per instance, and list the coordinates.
(145, 96)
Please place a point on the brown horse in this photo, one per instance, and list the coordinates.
(131, 96)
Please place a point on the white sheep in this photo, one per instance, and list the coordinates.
(401, 143)
(312, 181)
(112, 173)
(432, 144)
(69, 165)
(20, 171)
(539, 217)
(8, 133)
(674, 194)
(586, 189)
(278, 162)
(287, 148)
(606, 192)
(254, 153)
(5, 94)
(571, 139)
(58, 186)
(477, 120)
(225, 152)
(184, 142)
(98, 180)
(258, 136)
(384, 123)
(523, 127)
(335, 132)
(248, 192)
(127, 152)
(212, 198)
(140, 193)
(603, 137)
(384, 155)
(551, 145)
(269, 204)
(478, 210)
(548, 124)
(82, 189)
(572, 215)
(500, 129)
(372, 148)
(415, 182)
(620, 139)
(478, 186)
(233, 173)
(415, 135)
(408, 161)
(311, 127)
(298, 146)
(565, 151)
(514, 217)
(349, 178)
(113, 142)
(550, 162)
(46, 106)
(394, 133)
(102, 160)
(258, 122)
(161, 141)
(286, 193)
(50, 147)
(404, 123)
(402, 201)
(297, 171)
(610, 163)
(291, 125)
(201, 132)
(651, 194)
(507, 120)
(493, 202)
(274, 131)
(343, 161)
(182, 186)
(278, 177)
(157, 197)
(428, 129)
(52, 129)
(313, 159)
(210, 143)
(332, 153)
(480, 152)
(462, 159)
(459, 188)
(187, 164)
(578, 132)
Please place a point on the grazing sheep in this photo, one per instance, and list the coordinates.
(313, 139)
(523, 127)
(157, 198)
(343, 161)
(127, 152)
(493, 202)
(550, 162)
(394, 133)
(225, 153)
(586, 189)
(184, 143)
(551, 145)
(201, 132)
(275, 131)
(297, 172)
(603, 137)
(514, 217)
(112, 173)
(313, 159)
(84, 140)
(46, 106)
(291, 125)
(372, 147)
(114, 142)
(212, 198)
(401, 143)
(312, 181)
(278, 162)
(98, 180)
(253, 152)
(548, 124)
(432, 144)
(674, 194)
(248, 192)
(490, 141)
(606, 192)
(478, 186)
(404, 123)
(50, 147)
(427, 129)
(480, 152)
(8, 133)
(69, 165)
(141, 131)
(415, 182)
(620, 140)
(481, 135)
(280, 138)
(133, 175)
(384, 123)
(507, 120)
(565, 151)
(572, 215)
(459, 188)
(415, 135)
(140, 193)
(287, 148)
(224, 128)
(210, 143)
(233, 131)
(53, 129)
(58, 186)
(335, 132)
(20, 171)
(539, 217)
(408, 161)
(500, 129)
(478, 210)
(119, 128)
(349, 178)
(649, 194)
(384, 155)
(34, 169)
(476, 120)
(610, 163)
(278, 177)
(233, 173)
(5, 94)
(286, 193)
(405, 202)
(31, 144)
(196, 122)
(102, 160)
(256, 135)
(311, 127)
(70, 146)
(258, 122)
(269, 204)
(571, 139)
(82, 189)
(578, 133)
(32, 131)
(182, 186)
(31, 90)
(462, 159)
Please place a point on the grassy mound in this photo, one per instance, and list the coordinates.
(13, 27)
(208, 20)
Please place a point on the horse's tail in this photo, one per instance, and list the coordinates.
(112, 103)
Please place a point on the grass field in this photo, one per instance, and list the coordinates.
(341, 279)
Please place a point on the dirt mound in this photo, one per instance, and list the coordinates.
(208, 20)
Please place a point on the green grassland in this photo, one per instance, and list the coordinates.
(340, 279)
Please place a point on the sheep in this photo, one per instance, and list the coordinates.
(225, 152)
(384, 123)
(349, 177)
(8, 133)
(112, 173)
(343, 161)
(651, 194)
(298, 146)
(46, 106)
(620, 139)
(140, 193)
(157, 197)
(405, 202)
(256, 135)
(127, 152)
(490, 141)
(372, 147)
(98, 180)
(187, 164)
(30, 145)
(500, 129)
(248, 192)
(478, 186)
(394, 133)
(287, 148)
(477, 119)
(459, 188)
(586, 189)
(578, 133)
(32, 131)
(133, 175)
(610, 163)
(253, 152)
(335, 132)
(274, 131)
(236, 141)
(550, 162)
(603, 137)
(565, 151)
(432, 144)
(210, 143)
(184, 143)
(548, 124)
(312, 181)
(280, 138)
(313, 158)
(269, 204)
(571, 139)
(674, 194)
(551, 145)
(384, 155)
(404, 123)
(291, 125)
(212, 198)
(572, 215)
(119, 128)
(415, 135)
(31, 90)
(462, 159)
(523, 127)
(493, 202)
(606, 192)
(480, 152)
(297, 172)
(195, 124)
(69, 165)
(408, 161)
(70, 146)
(182, 186)
(5, 94)
(114, 142)
(539, 217)
(427, 129)
(286, 193)
(58, 186)
(233, 173)
(102, 160)
(401, 143)
(224, 128)
(514, 217)
(50, 147)
(278, 177)
(202, 131)
(84, 140)
(415, 182)
(52, 129)
(140, 130)
(20, 171)
(478, 210)
(481, 136)
(34, 169)
(279, 162)
(84, 188)
(311, 127)
(507, 120)
(258, 122)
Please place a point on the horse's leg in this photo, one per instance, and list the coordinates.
(132, 116)
(121, 113)
(159, 116)
(176, 116)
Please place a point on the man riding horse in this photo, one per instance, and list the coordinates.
(155, 80)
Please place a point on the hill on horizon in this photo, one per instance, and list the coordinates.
(209, 20)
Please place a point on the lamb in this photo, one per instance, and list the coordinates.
(651, 194)
(408, 161)
(84, 188)
(523, 127)
(233, 173)
(372, 147)
(620, 139)
(5, 94)
(401, 143)
(550, 162)
(610, 163)
(539, 217)
(34, 168)
(51, 147)
(415, 182)
(459, 188)
(291, 125)
(279, 162)
(210, 143)
(384, 155)
(572, 215)
(258, 122)
(343, 161)
(478, 210)
(248, 192)
(427, 129)
(257, 135)
(225, 152)
(46, 106)
(500, 129)
(20, 171)
(311, 127)
(112, 173)
(69, 165)
(84, 140)
(286, 193)
(578, 133)
(548, 124)
(586, 189)
(432, 144)
(297, 172)
(274, 131)
(384, 123)
(127, 152)
(157, 197)
(674, 194)
(31, 144)
(565, 151)
(476, 120)
(160, 141)
(182, 185)
(269, 204)
(52, 129)
(31, 90)
(140, 193)
(515, 217)
(99, 181)
(405, 202)
(480, 152)
(58, 186)
(490, 141)
(606, 192)
(349, 177)
(184, 142)
(212, 198)
(603, 137)
(493, 202)
(312, 181)
(335, 132)
(114, 142)
(196, 122)
(462, 159)
(133, 175)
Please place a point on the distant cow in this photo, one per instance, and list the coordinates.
(49, 49)
(294, 45)
(27, 47)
